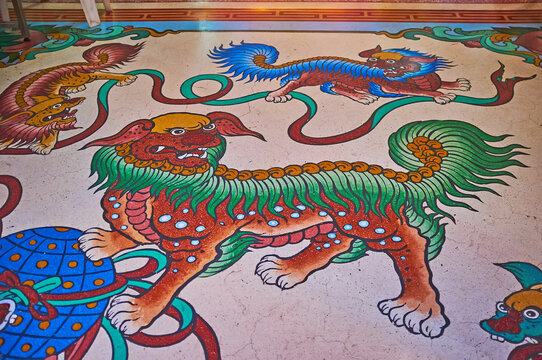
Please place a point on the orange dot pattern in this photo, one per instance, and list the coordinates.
(429, 152)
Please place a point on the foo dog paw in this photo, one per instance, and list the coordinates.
(278, 98)
(273, 272)
(127, 314)
(464, 84)
(418, 318)
(74, 89)
(365, 99)
(127, 80)
(41, 149)
(96, 244)
(445, 98)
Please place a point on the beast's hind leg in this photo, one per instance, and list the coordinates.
(417, 307)
(288, 272)
(350, 92)
(282, 95)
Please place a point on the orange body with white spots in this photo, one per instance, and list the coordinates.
(186, 203)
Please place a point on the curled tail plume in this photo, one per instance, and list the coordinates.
(248, 60)
(455, 159)
(111, 55)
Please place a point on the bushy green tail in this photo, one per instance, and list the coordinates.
(471, 165)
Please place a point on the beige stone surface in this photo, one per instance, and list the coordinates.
(333, 315)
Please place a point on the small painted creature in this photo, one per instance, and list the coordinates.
(164, 185)
(519, 316)
(36, 107)
(386, 73)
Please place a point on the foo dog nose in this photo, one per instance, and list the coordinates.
(197, 138)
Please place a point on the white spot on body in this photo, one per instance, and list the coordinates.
(181, 224)
(363, 223)
(164, 218)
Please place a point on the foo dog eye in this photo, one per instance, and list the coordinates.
(502, 307)
(372, 59)
(209, 127)
(177, 131)
(390, 61)
(531, 313)
(56, 106)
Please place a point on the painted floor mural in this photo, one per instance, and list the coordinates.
(242, 183)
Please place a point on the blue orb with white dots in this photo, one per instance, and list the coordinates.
(200, 228)
(322, 213)
(326, 245)
(194, 242)
(116, 205)
(380, 231)
(332, 235)
(240, 216)
(301, 207)
(341, 213)
(347, 227)
(112, 198)
(337, 241)
(396, 238)
(115, 216)
(295, 215)
(279, 208)
(191, 259)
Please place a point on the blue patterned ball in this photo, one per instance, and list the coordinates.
(37, 254)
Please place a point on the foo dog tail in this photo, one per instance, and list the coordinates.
(448, 161)
(110, 55)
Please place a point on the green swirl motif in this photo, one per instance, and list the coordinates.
(53, 38)
(509, 41)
